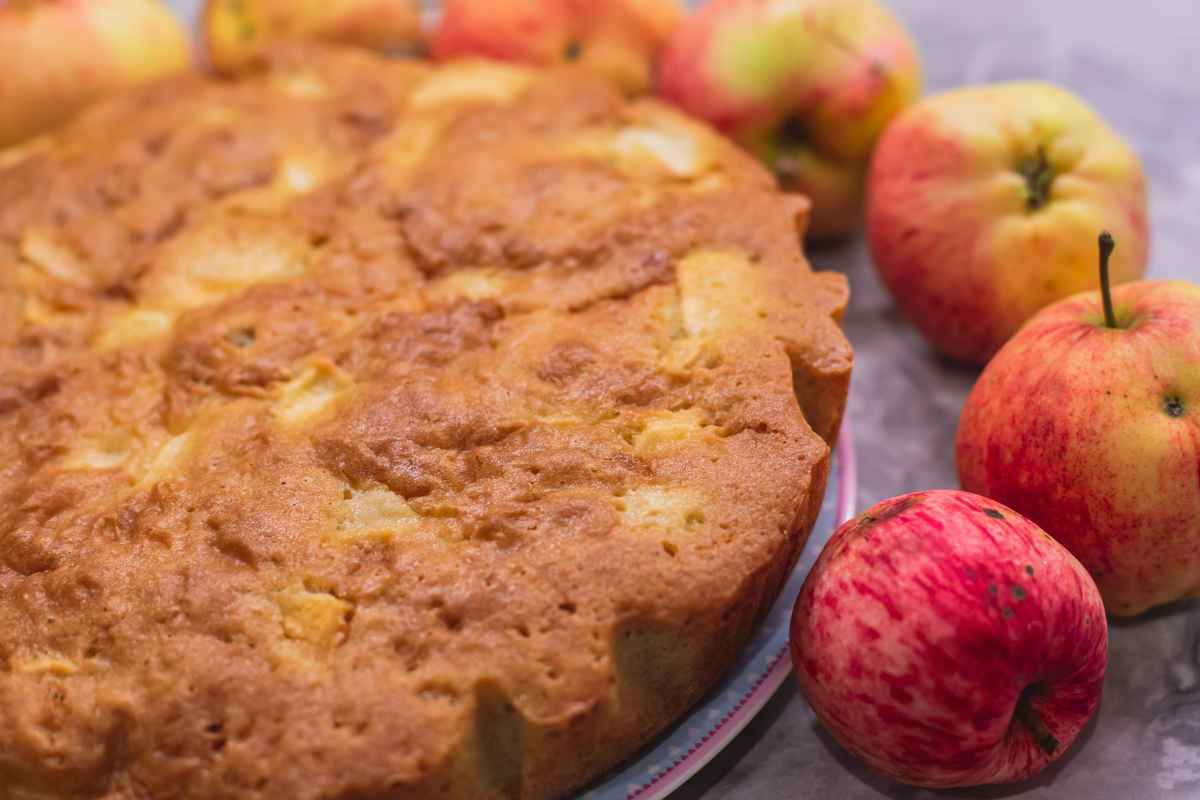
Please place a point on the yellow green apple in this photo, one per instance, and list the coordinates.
(806, 85)
(1088, 423)
(983, 205)
(237, 31)
(56, 56)
(617, 38)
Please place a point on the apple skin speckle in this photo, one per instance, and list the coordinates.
(944, 617)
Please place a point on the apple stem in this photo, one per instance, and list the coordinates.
(1039, 176)
(1036, 725)
(1107, 245)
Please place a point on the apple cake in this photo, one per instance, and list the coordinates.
(370, 429)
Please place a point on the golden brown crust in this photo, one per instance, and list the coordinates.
(370, 430)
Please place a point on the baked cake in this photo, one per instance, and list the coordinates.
(376, 430)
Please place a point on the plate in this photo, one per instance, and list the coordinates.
(751, 681)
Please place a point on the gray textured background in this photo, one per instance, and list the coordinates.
(1138, 63)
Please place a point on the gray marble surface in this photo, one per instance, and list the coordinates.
(1138, 63)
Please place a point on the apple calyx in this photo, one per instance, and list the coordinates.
(1038, 175)
(790, 136)
(1033, 722)
(793, 132)
(1107, 245)
(784, 146)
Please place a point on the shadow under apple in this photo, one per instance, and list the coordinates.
(898, 791)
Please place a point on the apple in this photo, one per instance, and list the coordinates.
(947, 641)
(983, 205)
(1088, 422)
(805, 85)
(237, 31)
(618, 38)
(56, 56)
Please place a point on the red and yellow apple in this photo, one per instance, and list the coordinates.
(1091, 428)
(617, 38)
(237, 31)
(946, 640)
(56, 56)
(805, 85)
(983, 205)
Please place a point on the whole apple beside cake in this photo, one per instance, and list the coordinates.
(378, 429)
(1086, 422)
(806, 85)
(948, 641)
(984, 205)
(59, 56)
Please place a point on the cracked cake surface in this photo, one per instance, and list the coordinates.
(370, 429)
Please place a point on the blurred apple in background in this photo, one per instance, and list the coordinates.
(618, 38)
(1092, 430)
(56, 56)
(983, 207)
(236, 31)
(805, 85)
(948, 641)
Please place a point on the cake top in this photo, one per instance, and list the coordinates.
(362, 421)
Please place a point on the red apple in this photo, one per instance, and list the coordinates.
(1091, 427)
(948, 641)
(805, 85)
(618, 38)
(983, 205)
